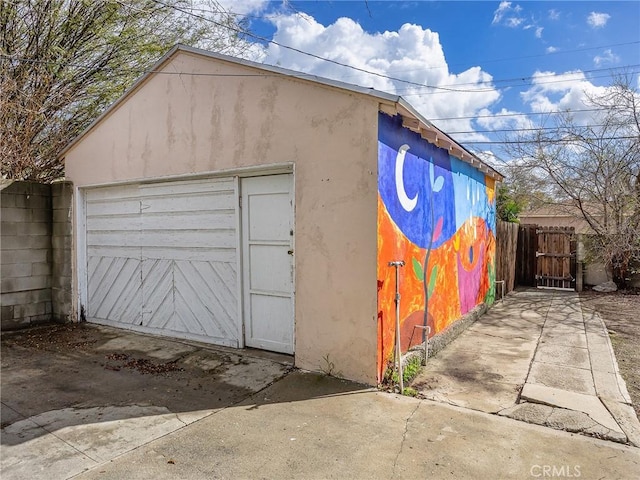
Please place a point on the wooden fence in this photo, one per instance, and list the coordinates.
(506, 247)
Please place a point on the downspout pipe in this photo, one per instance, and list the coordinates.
(397, 264)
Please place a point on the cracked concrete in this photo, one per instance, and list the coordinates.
(67, 409)
(536, 358)
(404, 438)
(309, 426)
(295, 425)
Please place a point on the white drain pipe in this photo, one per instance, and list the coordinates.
(426, 341)
(397, 264)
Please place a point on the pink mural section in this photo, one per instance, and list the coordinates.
(437, 214)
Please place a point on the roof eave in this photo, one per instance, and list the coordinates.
(414, 121)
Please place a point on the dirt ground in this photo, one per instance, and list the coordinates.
(621, 313)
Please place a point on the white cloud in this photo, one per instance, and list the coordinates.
(499, 13)
(552, 92)
(597, 19)
(411, 53)
(503, 119)
(551, 49)
(242, 7)
(607, 57)
(554, 14)
(538, 30)
(513, 22)
(507, 14)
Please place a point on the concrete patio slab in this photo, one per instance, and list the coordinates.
(625, 416)
(568, 378)
(552, 371)
(561, 419)
(563, 355)
(71, 410)
(580, 402)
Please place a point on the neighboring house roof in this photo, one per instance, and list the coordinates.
(556, 215)
(389, 103)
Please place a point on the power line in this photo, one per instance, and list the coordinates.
(560, 52)
(262, 17)
(500, 130)
(473, 117)
(237, 30)
(381, 75)
(478, 62)
(524, 79)
(396, 91)
(422, 85)
(229, 12)
(525, 142)
(313, 55)
(300, 74)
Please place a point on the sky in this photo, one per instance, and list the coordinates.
(474, 68)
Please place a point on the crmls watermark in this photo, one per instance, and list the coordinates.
(555, 471)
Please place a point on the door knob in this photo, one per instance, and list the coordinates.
(290, 252)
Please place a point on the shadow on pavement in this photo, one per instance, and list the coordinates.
(61, 376)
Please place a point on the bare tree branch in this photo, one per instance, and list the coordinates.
(62, 62)
(592, 171)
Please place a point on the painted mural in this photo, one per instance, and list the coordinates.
(437, 214)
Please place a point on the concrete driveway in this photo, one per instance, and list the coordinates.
(75, 396)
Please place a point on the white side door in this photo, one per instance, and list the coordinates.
(267, 255)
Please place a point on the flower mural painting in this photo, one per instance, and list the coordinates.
(437, 213)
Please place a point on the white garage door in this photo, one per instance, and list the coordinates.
(163, 258)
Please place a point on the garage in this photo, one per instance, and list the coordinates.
(245, 205)
(166, 258)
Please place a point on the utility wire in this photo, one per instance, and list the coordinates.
(469, 117)
(558, 52)
(311, 75)
(473, 117)
(273, 42)
(397, 91)
(500, 130)
(504, 87)
(318, 57)
(443, 88)
(564, 141)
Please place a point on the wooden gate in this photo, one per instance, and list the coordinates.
(526, 255)
(555, 257)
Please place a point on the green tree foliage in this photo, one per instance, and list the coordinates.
(508, 206)
(62, 62)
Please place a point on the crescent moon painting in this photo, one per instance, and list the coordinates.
(407, 203)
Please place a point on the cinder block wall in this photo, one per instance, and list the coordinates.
(61, 194)
(35, 245)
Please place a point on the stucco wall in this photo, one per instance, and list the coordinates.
(180, 124)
